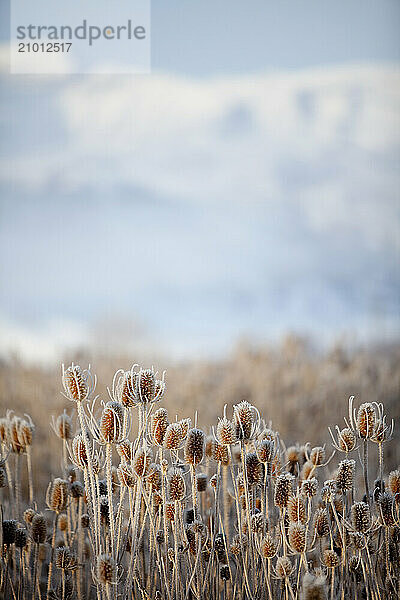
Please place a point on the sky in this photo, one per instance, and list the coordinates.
(248, 187)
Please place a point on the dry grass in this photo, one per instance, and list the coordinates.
(261, 514)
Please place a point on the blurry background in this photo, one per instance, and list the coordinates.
(247, 189)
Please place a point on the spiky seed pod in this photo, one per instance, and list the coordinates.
(65, 559)
(345, 475)
(226, 432)
(387, 509)
(176, 485)
(194, 447)
(9, 531)
(158, 426)
(201, 482)
(29, 513)
(309, 487)
(214, 481)
(157, 500)
(296, 509)
(321, 524)
(154, 478)
(141, 462)
(360, 517)
(284, 567)
(17, 444)
(317, 455)
(124, 450)
(21, 538)
(283, 489)
(126, 476)
(3, 478)
(39, 529)
(243, 416)
(269, 546)
(307, 469)
(219, 546)
(314, 587)
(254, 469)
(266, 451)
(75, 382)
(85, 521)
(188, 516)
(358, 540)
(184, 425)
(62, 522)
(394, 484)
(224, 572)
(293, 458)
(331, 559)
(146, 385)
(127, 387)
(347, 440)
(26, 432)
(78, 451)
(77, 490)
(366, 419)
(170, 511)
(111, 422)
(221, 454)
(106, 569)
(297, 537)
(257, 523)
(172, 438)
(58, 495)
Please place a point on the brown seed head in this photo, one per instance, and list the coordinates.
(221, 454)
(317, 455)
(176, 485)
(257, 523)
(321, 524)
(185, 425)
(170, 511)
(124, 450)
(347, 440)
(387, 509)
(307, 469)
(266, 451)
(65, 559)
(63, 426)
(224, 572)
(126, 476)
(79, 452)
(75, 382)
(106, 569)
(21, 538)
(194, 446)
(127, 394)
(309, 487)
(154, 476)
(29, 513)
(366, 419)
(254, 469)
(39, 529)
(284, 567)
(296, 509)
(9, 531)
(360, 517)
(58, 495)
(331, 559)
(77, 490)
(283, 489)
(345, 475)
(201, 482)
(26, 432)
(226, 432)
(141, 462)
(111, 422)
(297, 537)
(243, 414)
(146, 385)
(158, 426)
(173, 436)
(85, 521)
(269, 547)
(62, 522)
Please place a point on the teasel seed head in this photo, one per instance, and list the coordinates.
(283, 489)
(307, 469)
(269, 546)
(194, 446)
(331, 559)
(17, 443)
(317, 455)
(296, 509)
(214, 481)
(244, 419)
(29, 513)
(293, 459)
(266, 451)
(127, 386)
(106, 569)
(62, 522)
(284, 567)
(85, 521)
(309, 487)
(57, 495)
(141, 462)
(360, 517)
(254, 469)
(39, 529)
(170, 511)
(158, 426)
(257, 523)
(345, 475)
(126, 476)
(176, 485)
(173, 437)
(358, 540)
(146, 385)
(78, 451)
(366, 418)
(347, 440)
(394, 484)
(26, 432)
(9, 531)
(321, 523)
(314, 587)
(104, 510)
(124, 450)
(154, 477)
(387, 509)
(65, 559)
(21, 538)
(77, 383)
(185, 425)
(224, 572)
(297, 537)
(111, 423)
(4, 424)
(77, 490)
(226, 432)
(221, 454)
(201, 482)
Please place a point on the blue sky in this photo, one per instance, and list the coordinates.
(249, 186)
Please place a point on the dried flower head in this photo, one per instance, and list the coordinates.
(9, 531)
(194, 446)
(201, 482)
(38, 529)
(158, 426)
(366, 419)
(283, 489)
(331, 559)
(176, 485)
(57, 495)
(126, 475)
(254, 469)
(296, 509)
(78, 452)
(269, 546)
(106, 569)
(245, 417)
(345, 475)
(317, 455)
(309, 487)
(21, 538)
(387, 509)
(173, 437)
(154, 476)
(111, 427)
(394, 484)
(297, 537)
(360, 517)
(221, 454)
(321, 523)
(65, 559)
(78, 384)
(284, 567)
